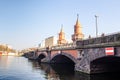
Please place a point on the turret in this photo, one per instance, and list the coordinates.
(61, 37)
(78, 35)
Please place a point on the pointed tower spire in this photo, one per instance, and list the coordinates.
(77, 22)
(62, 28)
(78, 35)
(61, 39)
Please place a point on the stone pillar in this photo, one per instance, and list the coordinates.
(34, 54)
(83, 65)
(80, 54)
(49, 54)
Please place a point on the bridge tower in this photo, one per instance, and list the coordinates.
(61, 38)
(78, 35)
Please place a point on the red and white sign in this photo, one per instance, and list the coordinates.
(109, 51)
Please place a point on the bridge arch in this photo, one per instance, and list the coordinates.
(41, 56)
(105, 64)
(63, 58)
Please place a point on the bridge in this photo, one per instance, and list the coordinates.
(93, 55)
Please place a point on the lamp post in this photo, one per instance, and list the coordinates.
(96, 25)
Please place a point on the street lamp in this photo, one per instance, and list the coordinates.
(96, 25)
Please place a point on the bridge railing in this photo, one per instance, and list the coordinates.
(99, 40)
(64, 46)
(42, 49)
(58, 47)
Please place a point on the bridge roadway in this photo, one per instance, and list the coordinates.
(88, 56)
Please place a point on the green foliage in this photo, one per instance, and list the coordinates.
(5, 48)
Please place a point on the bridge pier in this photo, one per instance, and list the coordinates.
(80, 54)
(47, 57)
(84, 65)
(95, 61)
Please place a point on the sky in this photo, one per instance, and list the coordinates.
(26, 23)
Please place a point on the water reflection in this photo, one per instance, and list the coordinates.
(59, 72)
(20, 68)
(65, 72)
(45, 69)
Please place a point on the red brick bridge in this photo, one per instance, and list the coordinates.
(93, 55)
(66, 53)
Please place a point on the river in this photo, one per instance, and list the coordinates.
(20, 68)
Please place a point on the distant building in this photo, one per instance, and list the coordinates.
(50, 41)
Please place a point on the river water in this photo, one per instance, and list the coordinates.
(20, 68)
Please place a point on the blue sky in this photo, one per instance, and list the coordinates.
(25, 23)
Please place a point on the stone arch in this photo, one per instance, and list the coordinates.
(109, 58)
(41, 56)
(67, 55)
(105, 64)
